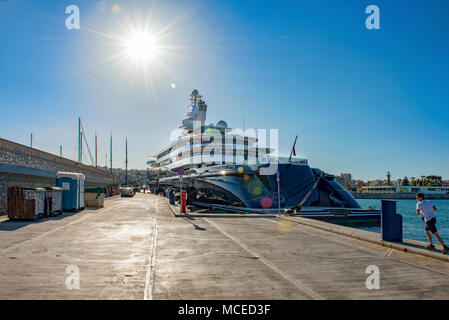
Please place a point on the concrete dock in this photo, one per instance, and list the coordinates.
(134, 248)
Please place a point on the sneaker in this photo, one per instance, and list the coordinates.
(445, 250)
(430, 247)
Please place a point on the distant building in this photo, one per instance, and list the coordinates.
(135, 177)
(345, 179)
(377, 182)
(406, 189)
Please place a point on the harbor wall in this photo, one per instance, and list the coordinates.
(395, 196)
(28, 167)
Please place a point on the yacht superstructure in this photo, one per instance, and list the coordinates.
(199, 145)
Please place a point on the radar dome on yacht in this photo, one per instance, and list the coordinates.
(222, 124)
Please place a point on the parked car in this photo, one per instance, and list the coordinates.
(127, 192)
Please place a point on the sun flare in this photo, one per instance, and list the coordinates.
(141, 47)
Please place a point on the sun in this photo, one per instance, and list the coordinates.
(141, 46)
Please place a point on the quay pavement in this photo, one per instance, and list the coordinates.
(134, 248)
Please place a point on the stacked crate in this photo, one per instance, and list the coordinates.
(18, 207)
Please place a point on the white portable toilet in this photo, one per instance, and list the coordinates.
(81, 186)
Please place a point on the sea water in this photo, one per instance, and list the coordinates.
(412, 224)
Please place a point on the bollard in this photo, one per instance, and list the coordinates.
(391, 222)
(183, 201)
(171, 196)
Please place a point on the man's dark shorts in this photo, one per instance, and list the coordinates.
(430, 225)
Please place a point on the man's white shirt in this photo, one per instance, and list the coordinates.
(426, 208)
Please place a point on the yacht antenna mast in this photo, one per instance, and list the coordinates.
(126, 162)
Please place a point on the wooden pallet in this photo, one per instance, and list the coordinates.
(16, 202)
(18, 207)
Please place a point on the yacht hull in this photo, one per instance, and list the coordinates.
(247, 187)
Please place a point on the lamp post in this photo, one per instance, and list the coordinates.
(278, 179)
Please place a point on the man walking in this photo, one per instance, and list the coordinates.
(428, 211)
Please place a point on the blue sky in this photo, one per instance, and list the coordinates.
(362, 101)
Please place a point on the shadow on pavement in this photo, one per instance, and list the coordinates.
(11, 225)
(197, 227)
